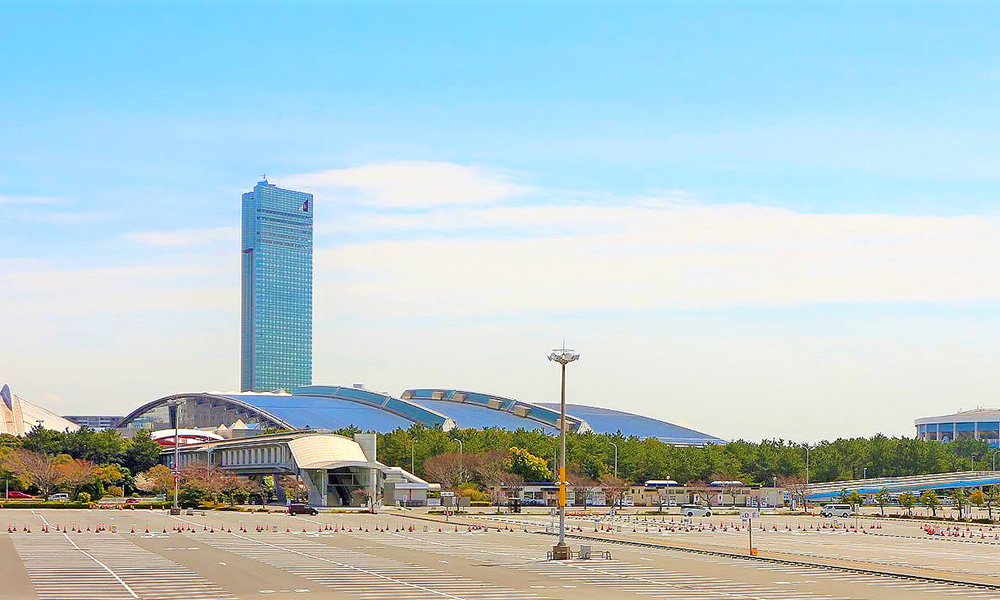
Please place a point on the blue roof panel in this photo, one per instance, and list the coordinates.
(476, 416)
(324, 413)
(605, 420)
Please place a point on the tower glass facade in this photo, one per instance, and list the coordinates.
(277, 289)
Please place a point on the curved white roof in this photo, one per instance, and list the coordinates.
(18, 416)
(963, 416)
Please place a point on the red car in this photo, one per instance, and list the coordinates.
(18, 495)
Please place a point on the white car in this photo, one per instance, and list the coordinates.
(59, 498)
(836, 510)
(695, 510)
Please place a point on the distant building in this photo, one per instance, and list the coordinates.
(18, 416)
(276, 327)
(94, 421)
(979, 424)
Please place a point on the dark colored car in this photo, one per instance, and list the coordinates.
(18, 495)
(301, 509)
(132, 501)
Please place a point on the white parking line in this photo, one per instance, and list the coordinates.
(347, 566)
(106, 567)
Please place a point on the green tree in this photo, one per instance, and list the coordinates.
(191, 496)
(929, 499)
(908, 501)
(44, 441)
(142, 453)
(855, 498)
(959, 500)
(977, 498)
(991, 497)
(527, 465)
(882, 498)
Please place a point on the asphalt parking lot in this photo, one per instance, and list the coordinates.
(90, 554)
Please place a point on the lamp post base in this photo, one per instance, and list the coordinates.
(560, 552)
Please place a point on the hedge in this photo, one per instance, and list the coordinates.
(47, 505)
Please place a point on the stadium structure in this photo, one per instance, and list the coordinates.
(333, 408)
(978, 424)
(18, 416)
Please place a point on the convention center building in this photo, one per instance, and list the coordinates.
(979, 424)
(335, 408)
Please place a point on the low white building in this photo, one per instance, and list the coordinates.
(337, 470)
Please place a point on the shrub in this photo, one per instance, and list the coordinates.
(116, 491)
(46, 505)
(83, 497)
(191, 497)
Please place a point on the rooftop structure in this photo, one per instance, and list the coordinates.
(335, 407)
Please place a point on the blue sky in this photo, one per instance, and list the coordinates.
(768, 204)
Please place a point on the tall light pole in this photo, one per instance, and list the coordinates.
(562, 356)
(173, 405)
(807, 464)
(461, 462)
(616, 458)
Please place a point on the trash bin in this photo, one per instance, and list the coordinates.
(584, 552)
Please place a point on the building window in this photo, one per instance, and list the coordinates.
(988, 430)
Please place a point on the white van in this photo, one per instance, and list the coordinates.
(59, 498)
(836, 510)
(695, 510)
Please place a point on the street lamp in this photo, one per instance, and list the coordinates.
(864, 473)
(461, 462)
(562, 356)
(172, 404)
(616, 458)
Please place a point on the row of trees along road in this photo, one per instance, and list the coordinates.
(83, 461)
(592, 455)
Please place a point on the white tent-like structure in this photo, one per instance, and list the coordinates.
(18, 416)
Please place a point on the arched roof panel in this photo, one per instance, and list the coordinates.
(606, 420)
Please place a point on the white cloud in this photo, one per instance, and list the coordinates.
(410, 184)
(63, 217)
(185, 237)
(9, 200)
(626, 258)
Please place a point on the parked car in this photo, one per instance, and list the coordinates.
(132, 500)
(61, 497)
(18, 495)
(301, 509)
(836, 510)
(695, 510)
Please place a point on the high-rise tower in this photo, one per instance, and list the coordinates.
(277, 289)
